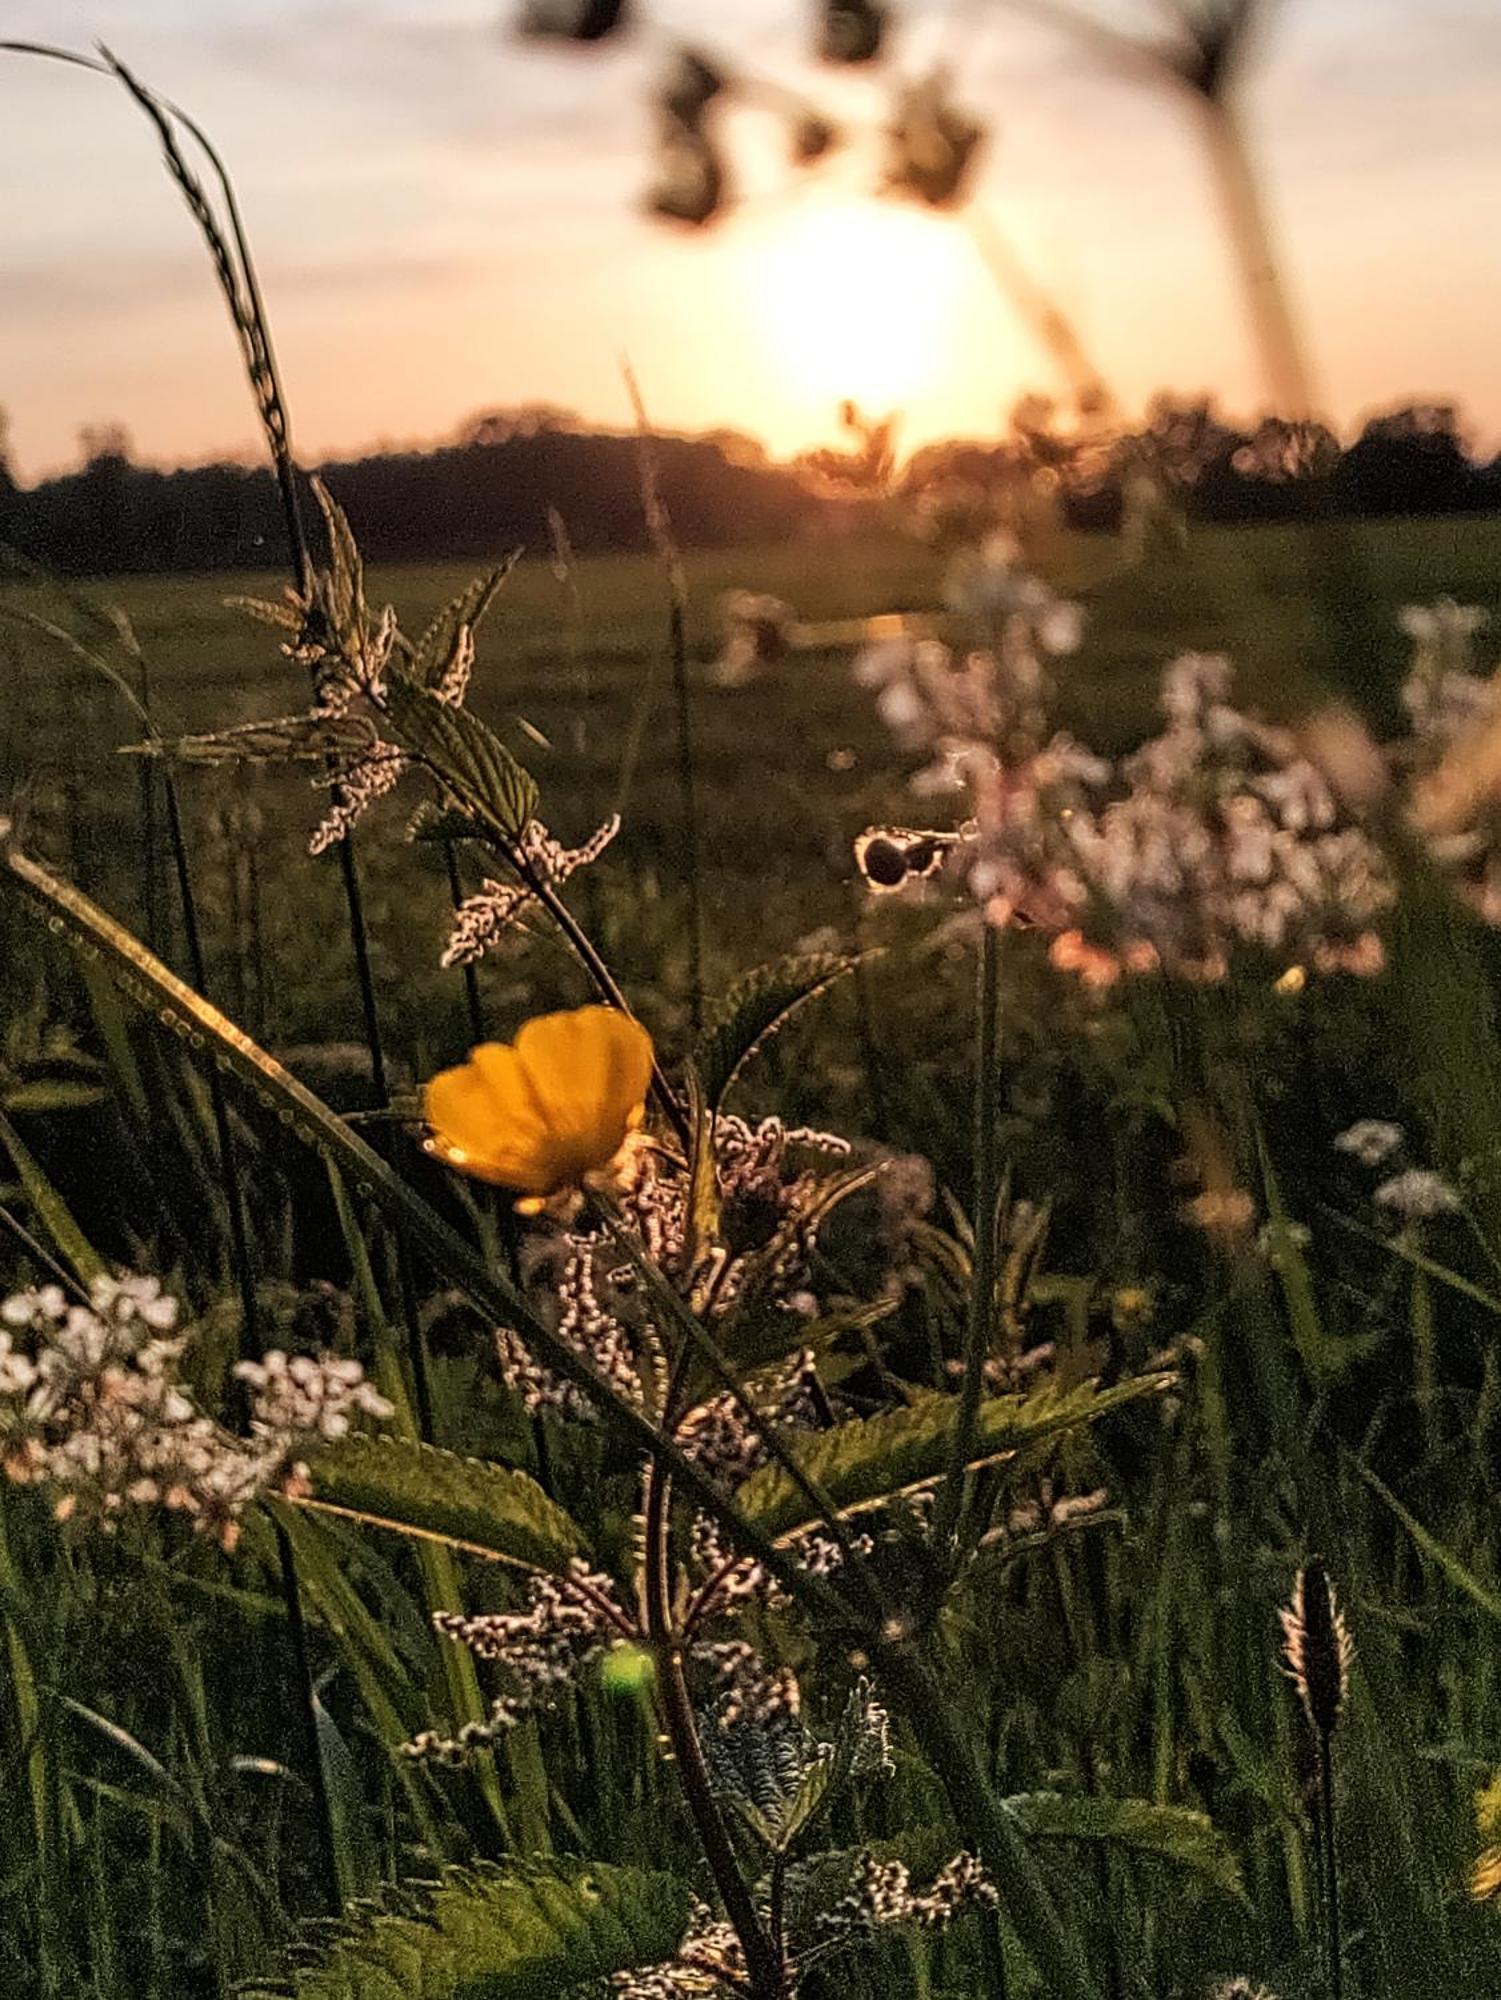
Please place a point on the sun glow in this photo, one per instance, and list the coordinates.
(859, 299)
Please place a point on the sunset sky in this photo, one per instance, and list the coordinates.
(448, 220)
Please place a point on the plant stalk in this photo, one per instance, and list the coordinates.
(949, 1507)
(1330, 1868)
(762, 1958)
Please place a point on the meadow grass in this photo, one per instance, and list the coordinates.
(1340, 1398)
(575, 677)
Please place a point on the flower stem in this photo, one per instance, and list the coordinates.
(762, 1958)
(1330, 1870)
(982, 1290)
(609, 991)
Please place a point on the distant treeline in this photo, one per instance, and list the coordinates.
(489, 491)
(1414, 459)
(508, 473)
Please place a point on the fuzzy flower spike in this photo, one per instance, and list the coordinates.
(544, 1113)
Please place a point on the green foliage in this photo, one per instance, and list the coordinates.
(464, 754)
(865, 1462)
(304, 739)
(755, 1010)
(435, 651)
(779, 1779)
(523, 1931)
(418, 1489)
(1170, 1833)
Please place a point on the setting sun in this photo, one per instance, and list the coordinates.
(859, 298)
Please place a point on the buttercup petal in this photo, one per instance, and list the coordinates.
(590, 1070)
(540, 1115)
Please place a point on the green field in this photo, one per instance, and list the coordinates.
(167, 1816)
(575, 673)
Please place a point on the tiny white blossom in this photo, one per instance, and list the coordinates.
(1417, 1195)
(1370, 1140)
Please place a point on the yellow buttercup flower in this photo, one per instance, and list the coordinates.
(546, 1111)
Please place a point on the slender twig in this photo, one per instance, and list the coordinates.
(763, 1960)
(291, 1590)
(1330, 1868)
(659, 527)
(43, 1256)
(1043, 316)
(949, 1504)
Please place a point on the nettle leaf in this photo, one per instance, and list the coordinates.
(282, 617)
(1171, 1833)
(282, 739)
(526, 1930)
(434, 822)
(435, 650)
(465, 755)
(420, 1490)
(758, 1007)
(761, 1768)
(345, 592)
(870, 1460)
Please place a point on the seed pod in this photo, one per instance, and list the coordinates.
(851, 31)
(1317, 1647)
(574, 20)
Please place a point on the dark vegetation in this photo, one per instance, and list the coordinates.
(500, 479)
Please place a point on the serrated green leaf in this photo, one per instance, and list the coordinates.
(434, 822)
(758, 1007)
(1172, 1833)
(281, 739)
(871, 1459)
(266, 611)
(434, 651)
(465, 755)
(345, 580)
(523, 1931)
(419, 1489)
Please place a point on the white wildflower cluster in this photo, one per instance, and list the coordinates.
(1216, 837)
(565, 1623)
(1443, 694)
(1455, 752)
(1408, 1194)
(91, 1407)
(483, 919)
(306, 1397)
(1418, 1195)
(1370, 1140)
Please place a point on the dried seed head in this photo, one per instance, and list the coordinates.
(1317, 1647)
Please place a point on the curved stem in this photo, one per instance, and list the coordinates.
(763, 1960)
(609, 991)
(1283, 362)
